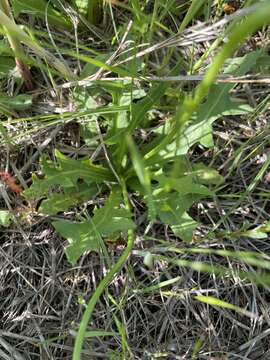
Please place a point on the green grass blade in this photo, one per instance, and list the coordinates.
(16, 32)
(143, 175)
(223, 304)
(101, 287)
(248, 26)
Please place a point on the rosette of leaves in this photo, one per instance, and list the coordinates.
(166, 182)
(68, 183)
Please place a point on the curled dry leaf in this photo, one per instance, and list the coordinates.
(10, 182)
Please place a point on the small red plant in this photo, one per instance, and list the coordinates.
(10, 182)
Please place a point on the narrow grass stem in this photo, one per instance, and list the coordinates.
(102, 286)
(17, 34)
(17, 48)
(94, 11)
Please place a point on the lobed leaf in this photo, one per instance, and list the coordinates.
(218, 104)
(66, 174)
(59, 202)
(19, 102)
(107, 221)
(171, 209)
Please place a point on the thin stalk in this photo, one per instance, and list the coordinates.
(102, 286)
(94, 11)
(19, 35)
(17, 48)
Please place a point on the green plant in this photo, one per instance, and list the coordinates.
(16, 35)
(157, 171)
(91, 9)
(168, 184)
(16, 47)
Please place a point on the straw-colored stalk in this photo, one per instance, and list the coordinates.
(16, 47)
(18, 35)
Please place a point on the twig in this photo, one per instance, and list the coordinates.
(198, 33)
(13, 352)
(98, 74)
(201, 32)
(253, 341)
(40, 149)
(247, 79)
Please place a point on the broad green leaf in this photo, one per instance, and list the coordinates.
(172, 196)
(126, 97)
(260, 232)
(89, 132)
(83, 99)
(184, 185)
(82, 6)
(119, 221)
(6, 111)
(19, 102)
(80, 236)
(140, 109)
(6, 65)
(184, 227)
(218, 104)
(120, 218)
(206, 175)
(59, 202)
(264, 64)
(122, 95)
(107, 221)
(90, 69)
(40, 8)
(201, 131)
(5, 50)
(138, 114)
(66, 174)
(56, 203)
(5, 218)
(171, 209)
(255, 234)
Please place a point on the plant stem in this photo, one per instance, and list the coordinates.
(94, 11)
(19, 35)
(102, 286)
(17, 48)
